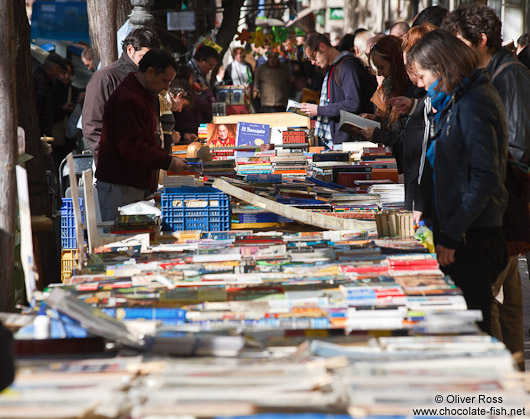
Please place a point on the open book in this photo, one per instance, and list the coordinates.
(294, 107)
(348, 121)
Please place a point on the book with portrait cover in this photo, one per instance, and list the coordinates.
(221, 135)
(250, 134)
(221, 138)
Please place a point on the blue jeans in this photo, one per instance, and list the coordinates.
(111, 196)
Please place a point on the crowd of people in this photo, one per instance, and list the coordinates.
(453, 104)
(451, 98)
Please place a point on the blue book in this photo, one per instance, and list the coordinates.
(250, 134)
(262, 217)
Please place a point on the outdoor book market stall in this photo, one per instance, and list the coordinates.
(271, 280)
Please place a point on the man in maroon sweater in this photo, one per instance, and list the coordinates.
(129, 154)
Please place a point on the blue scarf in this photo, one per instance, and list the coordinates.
(439, 99)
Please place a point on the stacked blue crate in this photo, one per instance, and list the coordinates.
(202, 208)
(68, 237)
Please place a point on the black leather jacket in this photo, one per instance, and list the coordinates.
(471, 151)
(513, 85)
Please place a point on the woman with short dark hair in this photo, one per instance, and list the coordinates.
(468, 154)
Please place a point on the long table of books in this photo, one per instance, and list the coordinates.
(292, 289)
(264, 325)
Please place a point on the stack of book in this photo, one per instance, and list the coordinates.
(253, 166)
(391, 196)
(218, 168)
(322, 164)
(135, 224)
(382, 162)
(290, 162)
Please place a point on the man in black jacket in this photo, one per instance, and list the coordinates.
(480, 28)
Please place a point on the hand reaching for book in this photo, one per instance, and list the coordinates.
(368, 133)
(175, 136)
(403, 105)
(189, 138)
(309, 108)
(369, 116)
(177, 165)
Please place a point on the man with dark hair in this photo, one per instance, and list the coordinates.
(203, 62)
(348, 86)
(480, 28)
(44, 77)
(523, 49)
(399, 29)
(432, 14)
(105, 81)
(129, 155)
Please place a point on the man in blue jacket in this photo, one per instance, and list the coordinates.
(348, 85)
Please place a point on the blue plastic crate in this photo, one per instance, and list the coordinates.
(68, 237)
(203, 208)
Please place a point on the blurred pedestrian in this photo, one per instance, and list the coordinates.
(44, 77)
(272, 84)
(65, 97)
(432, 14)
(188, 120)
(360, 45)
(87, 57)
(239, 72)
(172, 101)
(399, 29)
(203, 62)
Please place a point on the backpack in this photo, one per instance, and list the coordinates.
(368, 83)
(516, 223)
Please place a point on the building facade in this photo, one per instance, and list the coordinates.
(339, 17)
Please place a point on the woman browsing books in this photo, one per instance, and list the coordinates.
(468, 154)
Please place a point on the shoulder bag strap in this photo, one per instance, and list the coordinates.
(502, 67)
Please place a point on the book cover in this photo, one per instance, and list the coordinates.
(350, 121)
(294, 137)
(221, 135)
(250, 134)
(237, 96)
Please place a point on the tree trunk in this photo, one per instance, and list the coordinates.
(8, 151)
(227, 30)
(123, 10)
(39, 196)
(102, 27)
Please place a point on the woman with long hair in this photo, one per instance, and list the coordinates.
(386, 57)
(415, 137)
(468, 153)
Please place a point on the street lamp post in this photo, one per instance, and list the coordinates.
(140, 16)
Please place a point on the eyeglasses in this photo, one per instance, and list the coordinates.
(313, 55)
